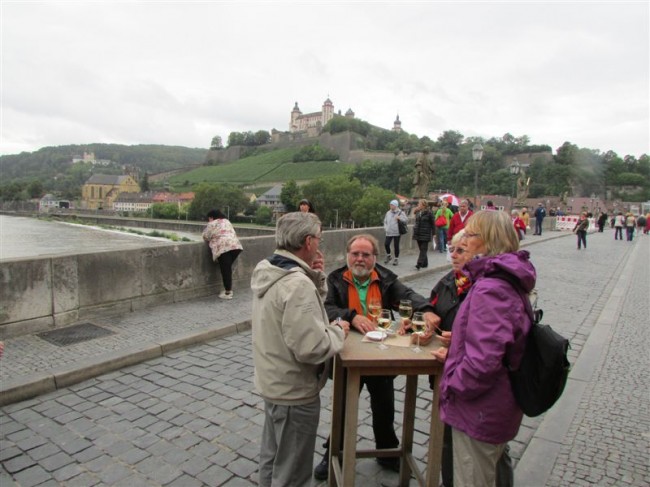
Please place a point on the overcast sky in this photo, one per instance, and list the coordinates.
(179, 73)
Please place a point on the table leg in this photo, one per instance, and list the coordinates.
(436, 428)
(338, 403)
(410, 394)
(350, 431)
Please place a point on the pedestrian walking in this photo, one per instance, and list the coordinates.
(443, 219)
(580, 229)
(518, 223)
(630, 226)
(457, 222)
(423, 230)
(602, 221)
(619, 223)
(293, 341)
(540, 214)
(225, 247)
(391, 228)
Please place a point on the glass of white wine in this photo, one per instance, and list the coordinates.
(405, 309)
(384, 322)
(374, 309)
(419, 327)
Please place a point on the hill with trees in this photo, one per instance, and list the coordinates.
(51, 169)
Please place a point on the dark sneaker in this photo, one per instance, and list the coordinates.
(322, 470)
(389, 463)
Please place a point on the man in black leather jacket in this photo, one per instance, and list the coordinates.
(348, 289)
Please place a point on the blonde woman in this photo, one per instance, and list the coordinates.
(490, 328)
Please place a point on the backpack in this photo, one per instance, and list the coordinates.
(402, 227)
(542, 374)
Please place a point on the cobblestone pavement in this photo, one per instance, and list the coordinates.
(191, 417)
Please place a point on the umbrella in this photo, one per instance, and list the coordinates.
(450, 198)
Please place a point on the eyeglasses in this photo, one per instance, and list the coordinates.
(364, 255)
(470, 235)
(318, 237)
(458, 250)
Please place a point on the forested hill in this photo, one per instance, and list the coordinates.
(50, 162)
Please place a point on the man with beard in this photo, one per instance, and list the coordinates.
(349, 290)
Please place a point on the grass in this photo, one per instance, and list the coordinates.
(274, 166)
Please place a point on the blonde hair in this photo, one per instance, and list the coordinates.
(455, 240)
(496, 231)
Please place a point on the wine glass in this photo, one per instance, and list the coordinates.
(419, 327)
(374, 309)
(384, 322)
(405, 309)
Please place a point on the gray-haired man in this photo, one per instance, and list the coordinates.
(292, 341)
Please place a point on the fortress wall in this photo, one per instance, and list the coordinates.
(50, 292)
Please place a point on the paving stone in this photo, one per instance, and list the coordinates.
(34, 475)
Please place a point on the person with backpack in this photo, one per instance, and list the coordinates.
(442, 219)
(446, 297)
(392, 220)
(490, 329)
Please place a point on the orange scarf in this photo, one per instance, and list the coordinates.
(374, 292)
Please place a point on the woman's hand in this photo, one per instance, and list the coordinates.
(440, 355)
(445, 338)
(404, 326)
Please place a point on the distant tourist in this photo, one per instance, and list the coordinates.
(306, 207)
(225, 247)
(580, 229)
(619, 223)
(391, 227)
(540, 213)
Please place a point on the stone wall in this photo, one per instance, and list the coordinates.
(45, 293)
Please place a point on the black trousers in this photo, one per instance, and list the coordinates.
(382, 405)
(423, 258)
(226, 260)
(395, 241)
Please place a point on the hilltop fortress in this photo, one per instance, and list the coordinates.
(307, 129)
(311, 124)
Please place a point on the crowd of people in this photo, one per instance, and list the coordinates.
(302, 317)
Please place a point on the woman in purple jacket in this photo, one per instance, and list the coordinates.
(476, 399)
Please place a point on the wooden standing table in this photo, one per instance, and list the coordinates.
(360, 358)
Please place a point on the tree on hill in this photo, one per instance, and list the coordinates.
(334, 198)
(249, 139)
(217, 143)
(290, 195)
(372, 206)
(226, 197)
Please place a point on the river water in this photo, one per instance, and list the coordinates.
(23, 237)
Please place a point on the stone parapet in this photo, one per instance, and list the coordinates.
(43, 293)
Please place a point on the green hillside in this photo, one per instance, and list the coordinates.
(271, 167)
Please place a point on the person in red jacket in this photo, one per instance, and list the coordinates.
(458, 220)
(520, 226)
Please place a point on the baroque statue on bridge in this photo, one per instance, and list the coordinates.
(423, 173)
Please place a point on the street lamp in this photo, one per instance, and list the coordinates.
(515, 169)
(336, 222)
(477, 155)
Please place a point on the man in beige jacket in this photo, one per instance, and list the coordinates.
(292, 341)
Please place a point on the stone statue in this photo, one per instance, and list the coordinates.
(422, 177)
(523, 187)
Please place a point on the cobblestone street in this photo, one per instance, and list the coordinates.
(191, 417)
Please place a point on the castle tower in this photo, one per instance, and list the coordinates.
(295, 113)
(349, 113)
(328, 111)
(397, 125)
